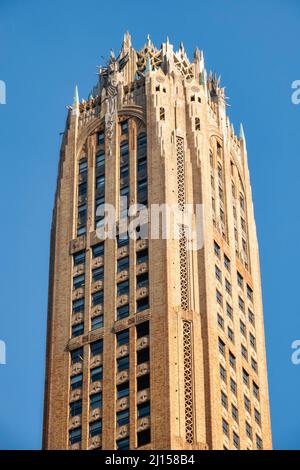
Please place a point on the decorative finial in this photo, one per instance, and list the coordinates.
(76, 96)
(242, 135)
(127, 39)
(148, 40)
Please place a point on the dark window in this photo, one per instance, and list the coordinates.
(229, 310)
(232, 360)
(223, 374)
(143, 382)
(228, 287)
(96, 374)
(101, 138)
(97, 322)
(79, 258)
(100, 182)
(100, 159)
(236, 440)
(256, 390)
(123, 417)
(245, 377)
(123, 263)
(221, 347)
(142, 329)
(82, 166)
(82, 188)
(251, 317)
(142, 256)
(220, 321)
(96, 347)
(123, 444)
(242, 328)
(123, 363)
(96, 401)
(142, 304)
(76, 381)
(143, 355)
(225, 427)
(76, 408)
(98, 273)
(248, 430)
(218, 273)
(241, 304)
(122, 239)
(257, 416)
(142, 280)
(247, 404)
(235, 413)
(77, 330)
(252, 340)
(124, 127)
(249, 293)
(123, 390)
(219, 297)
(217, 250)
(244, 352)
(259, 443)
(98, 250)
(122, 312)
(96, 428)
(78, 281)
(240, 280)
(75, 435)
(123, 288)
(254, 364)
(97, 298)
(233, 386)
(144, 437)
(123, 337)
(224, 400)
(77, 355)
(143, 409)
(227, 262)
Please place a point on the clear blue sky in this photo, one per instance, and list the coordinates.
(48, 46)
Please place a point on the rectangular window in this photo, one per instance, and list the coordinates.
(100, 159)
(96, 428)
(229, 310)
(240, 280)
(96, 348)
(79, 258)
(244, 352)
(220, 321)
(236, 440)
(254, 365)
(143, 382)
(257, 416)
(123, 288)
(76, 381)
(96, 374)
(224, 400)
(98, 274)
(225, 427)
(142, 280)
(221, 347)
(100, 182)
(77, 330)
(97, 298)
(247, 404)
(96, 401)
(219, 297)
(259, 443)
(76, 408)
(81, 216)
(123, 337)
(251, 317)
(256, 390)
(123, 417)
(233, 386)
(100, 138)
(78, 281)
(124, 127)
(217, 250)
(252, 341)
(82, 166)
(143, 356)
(82, 188)
(228, 287)
(122, 239)
(223, 373)
(241, 304)
(142, 304)
(98, 250)
(123, 264)
(248, 430)
(123, 390)
(227, 263)
(242, 328)
(123, 444)
(230, 334)
(234, 413)
(142, 256)
(123, 363)
(245, 377)
(232, 360)
(249, 293)
(77, 355)
(122, 312)
(78, 305)
(75, 436)
(143, 437)
(142, 329)
(218, 274)
(143, 409)
(97, 322)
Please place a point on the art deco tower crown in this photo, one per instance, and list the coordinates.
(150, 344)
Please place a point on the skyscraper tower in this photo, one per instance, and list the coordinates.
(151, 344)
